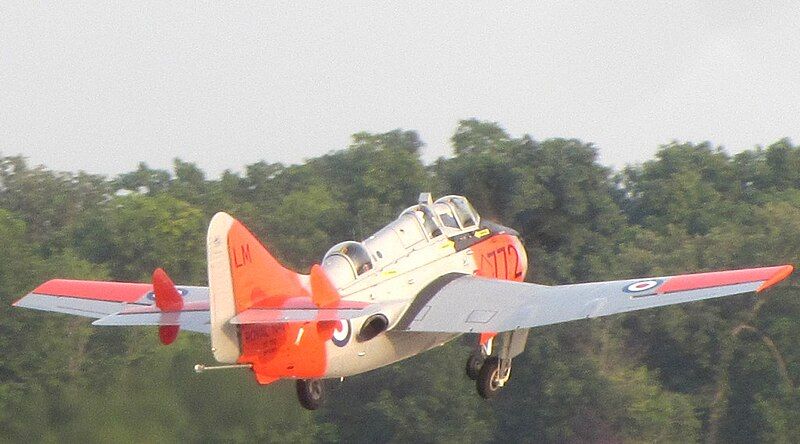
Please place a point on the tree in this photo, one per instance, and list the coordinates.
(134, 234)
(717, 371)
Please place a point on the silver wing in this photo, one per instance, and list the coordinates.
(465, 304)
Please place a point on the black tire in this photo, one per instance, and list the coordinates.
(488, 377)
(474, 364)
(310, 393)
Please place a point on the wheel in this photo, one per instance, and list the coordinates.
(474, 363)
(311, 393)
(488, 382)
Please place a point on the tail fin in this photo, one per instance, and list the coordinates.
(242, 274)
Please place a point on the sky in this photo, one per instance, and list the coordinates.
(100, 86)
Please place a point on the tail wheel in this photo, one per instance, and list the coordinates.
(310, 393)
(474, 363)
(488, 382)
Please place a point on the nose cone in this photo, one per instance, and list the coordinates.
(522, 255)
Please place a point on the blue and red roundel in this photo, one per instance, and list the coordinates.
(342, 333)
(642, 286)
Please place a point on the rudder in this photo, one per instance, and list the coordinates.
(241, 274)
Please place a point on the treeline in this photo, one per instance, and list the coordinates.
(719, 371)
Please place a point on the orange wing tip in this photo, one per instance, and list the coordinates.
(98, 290)
(780, 275)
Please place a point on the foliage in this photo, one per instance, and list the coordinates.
(714, 371)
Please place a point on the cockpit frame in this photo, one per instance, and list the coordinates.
(415, 228)
(427, 219)
(465, 214)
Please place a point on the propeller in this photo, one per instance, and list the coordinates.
(168, 299)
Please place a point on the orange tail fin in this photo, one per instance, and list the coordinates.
(243, 274)
(258, 279)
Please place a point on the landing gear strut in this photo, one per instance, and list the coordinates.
(311, 393)
(496, 370)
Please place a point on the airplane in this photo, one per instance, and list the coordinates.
(436, 272)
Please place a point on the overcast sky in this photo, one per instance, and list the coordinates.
(98, 88)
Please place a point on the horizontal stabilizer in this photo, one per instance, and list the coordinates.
(193, 317)
(305, 314)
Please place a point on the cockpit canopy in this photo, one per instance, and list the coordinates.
(456, 212)
(345, 261)
(427, 217)
(415, 227)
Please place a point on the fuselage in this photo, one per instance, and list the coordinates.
(482, 249)
(499, 255)
(390, 270)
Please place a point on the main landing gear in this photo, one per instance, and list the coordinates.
(491, 373)
(492, 378)
(474, 363)
(311, 393)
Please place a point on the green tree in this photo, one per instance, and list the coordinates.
(134, 234)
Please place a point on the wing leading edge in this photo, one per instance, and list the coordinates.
(471, 304)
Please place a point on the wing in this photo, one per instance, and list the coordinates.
(104, 300)
(132, 304)
(463, 304)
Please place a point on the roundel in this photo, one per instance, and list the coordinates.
(640, 286)
(151, 295)
(341, 333)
